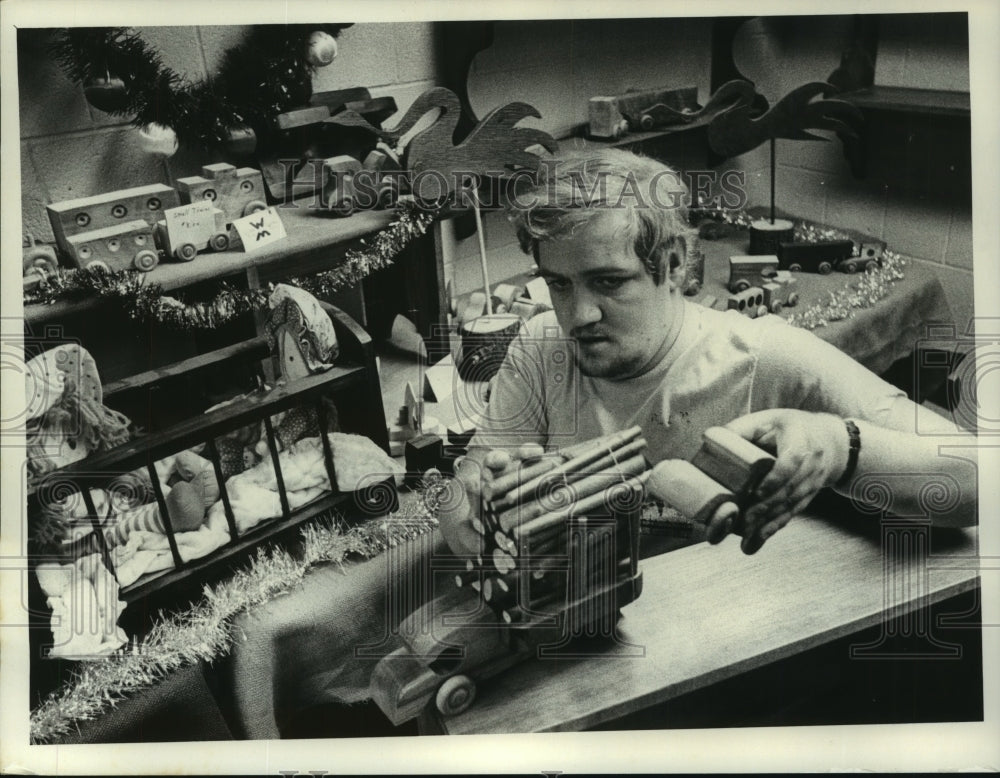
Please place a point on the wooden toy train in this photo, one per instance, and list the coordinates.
(129, 228)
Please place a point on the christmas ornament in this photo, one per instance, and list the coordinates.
(156, 139)
(106, 93)
(321, 49)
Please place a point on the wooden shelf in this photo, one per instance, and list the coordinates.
(931, 102)
(310, 233)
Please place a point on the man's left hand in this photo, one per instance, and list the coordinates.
(811, 451)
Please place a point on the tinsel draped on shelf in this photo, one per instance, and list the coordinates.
(144, 301)
(268, 73)
(205, 632)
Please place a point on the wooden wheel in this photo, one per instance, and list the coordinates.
(824, 268)
(793, 300)
(761, 310)
(776, 307)
(741, 286)
(455, 695)
(849, 266)
(219, 242)
(145, 260)
(795, 267)
(186, 252)
(98, 265)
(253, 206)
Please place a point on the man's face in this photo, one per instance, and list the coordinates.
(606, 300)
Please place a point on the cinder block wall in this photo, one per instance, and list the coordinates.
(813, 179)
(557, 66)
(70, 149)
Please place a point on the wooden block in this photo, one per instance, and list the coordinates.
(424, 452)
(303, 117)
(686, 488)
(441, 380)
(396, 448)
(733, 461)
(537, 291)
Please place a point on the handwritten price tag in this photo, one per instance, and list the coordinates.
(194, 219)
(260, 229)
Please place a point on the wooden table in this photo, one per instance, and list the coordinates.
(710, 613)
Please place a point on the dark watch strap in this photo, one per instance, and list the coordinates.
(852, 454)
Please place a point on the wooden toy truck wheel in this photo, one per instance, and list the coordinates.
(253, 206)
(219, 242)
(761, 310)
(98, 265)
(145, 260)
(39, 261)
(186, 252)
(795, 267)
(824, 268)
(455, 695)
(793, 300)
(740, 286)
(870, 265)
(849, 266)
(776, 307)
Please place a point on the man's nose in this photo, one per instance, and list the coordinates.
(585, 310)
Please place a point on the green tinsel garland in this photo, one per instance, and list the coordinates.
(266, 74)
(144, 301)
(204, 633)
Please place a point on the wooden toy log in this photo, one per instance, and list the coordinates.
(572, 458)
(689, 490)
(594, 501)
(524, 504)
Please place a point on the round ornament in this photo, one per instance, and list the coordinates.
(156, 139)
(321, 49)
(107, 94)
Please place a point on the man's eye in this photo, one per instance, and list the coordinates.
(609, 283)
(557, 284)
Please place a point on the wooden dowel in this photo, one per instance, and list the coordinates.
(213, 453)
(596, 500)
(164, 514)
(96, 524)
(273, 446)
(582, 454)
(576, 482)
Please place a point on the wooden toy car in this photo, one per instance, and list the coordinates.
(338, 193)
(749, 302)
(777, 297)
(867, 256)
(185, 243)
(84, 214)
(748, 270)
(37, 259)
(118, 247)
(237, 192)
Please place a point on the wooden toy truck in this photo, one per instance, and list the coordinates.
(237, 192)
(543, 578)
(38, 261)
(184, 243)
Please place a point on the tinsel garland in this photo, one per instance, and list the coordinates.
(862, 291)
(204, 633)
(265, 75)
(144, 301)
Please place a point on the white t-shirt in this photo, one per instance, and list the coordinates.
(722, 366)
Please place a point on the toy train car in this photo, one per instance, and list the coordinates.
(749, 302)
(746, 271)
(184, 242)
(844, 255)
(118, 247)
(237, 192)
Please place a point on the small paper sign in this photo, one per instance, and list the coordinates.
(260, 229)
(195, 219)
